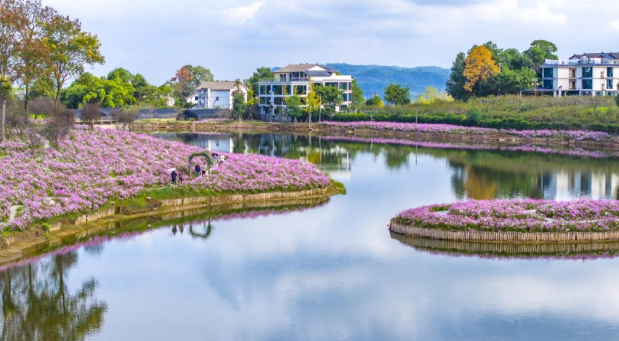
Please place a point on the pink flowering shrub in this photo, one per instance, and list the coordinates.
(576, 135)
(88, 169)
(517, 215)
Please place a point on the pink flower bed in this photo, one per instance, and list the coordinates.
(517, 215)
(88, 169)
(576, 135)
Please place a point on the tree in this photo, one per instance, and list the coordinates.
(293, 105)
(91, 113)
(42, 106)
(312, 101)
(430, 95)
(617, 100)
(71, 49)
(238, 106)
(125, 118)
(116, 92)
(59, 124)
(455, 84)
(541, 50)
(252, 82)
(479, 66)
(375, 102)
(330, 95)
(396, 94)
(11, 19)
(34, 54)
(357, 94)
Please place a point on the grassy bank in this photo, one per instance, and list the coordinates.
(505, 112)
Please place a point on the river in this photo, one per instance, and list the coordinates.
(332, 270)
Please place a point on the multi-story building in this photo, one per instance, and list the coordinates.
(295, 80)
(588, 74)
(219, 94)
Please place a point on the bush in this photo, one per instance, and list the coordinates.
(125, 118)
(91, 113)
(59, 124)
(617, 100)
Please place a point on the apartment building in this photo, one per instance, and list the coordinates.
(587, 74)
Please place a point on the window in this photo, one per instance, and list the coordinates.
(609, 84)
(279, 100)
(572, 85)
(264, 89)
(548, 73)
(610, 72)
(587, 84)
(587, 72)
(300, 89)
(277, 89)
(344, 86)
(331, 84)
(547, 84)
(572, 73)
(265, 100)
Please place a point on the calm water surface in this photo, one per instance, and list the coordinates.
(330, 271)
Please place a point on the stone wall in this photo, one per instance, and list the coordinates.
(506, 237)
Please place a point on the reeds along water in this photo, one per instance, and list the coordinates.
(573, 251)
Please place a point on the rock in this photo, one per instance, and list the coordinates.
(13, 212)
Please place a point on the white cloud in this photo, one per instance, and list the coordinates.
(240, 15)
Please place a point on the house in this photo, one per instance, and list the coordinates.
(218, 94)
(295, 80)
(587, 74)
(193, 99)
(169, 101)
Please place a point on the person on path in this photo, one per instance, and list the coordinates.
(180, 178)
(174, 175)
(204, 168)
(198, 170)
(215, 159)
(221, 160)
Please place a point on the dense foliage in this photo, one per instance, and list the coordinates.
(517, 215)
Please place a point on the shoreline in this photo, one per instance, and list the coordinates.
(320, 129)
(502, 237)
(18, 245)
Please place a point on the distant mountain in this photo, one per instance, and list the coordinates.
(376, 78)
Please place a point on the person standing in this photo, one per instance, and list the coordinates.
(174, 175)
(198, 170)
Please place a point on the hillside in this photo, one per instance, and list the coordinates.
(376, 78)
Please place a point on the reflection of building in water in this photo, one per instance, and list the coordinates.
(213, 142)
(564, 185)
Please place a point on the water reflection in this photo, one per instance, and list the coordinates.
(564, 251)
(37, 303)
(478, 171)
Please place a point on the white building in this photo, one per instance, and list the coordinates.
(193, 99)
(588, 74)
(295, 80)
(219, 94)
(169, 101)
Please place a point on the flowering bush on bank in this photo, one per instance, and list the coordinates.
(517, 215)
(575, 135)
(90, 168)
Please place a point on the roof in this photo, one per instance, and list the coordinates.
(606, 55)
(298, 68)
(219, 85)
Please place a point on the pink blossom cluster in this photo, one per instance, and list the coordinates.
(576, 135)
(88, 169)
(517, 215)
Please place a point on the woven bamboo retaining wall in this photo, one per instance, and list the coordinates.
(235, 198)
(506, 237)
(95, 216)
(504, 248)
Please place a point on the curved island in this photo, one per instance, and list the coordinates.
(509, 221)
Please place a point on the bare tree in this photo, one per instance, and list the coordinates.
(16, 118)
(42, 106)
(59, 124)
(125, 118)
(91, 113)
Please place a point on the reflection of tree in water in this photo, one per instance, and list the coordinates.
(208, 229)
(37, 304)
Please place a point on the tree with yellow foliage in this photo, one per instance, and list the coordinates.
(479, 66)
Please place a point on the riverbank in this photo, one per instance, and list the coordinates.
(36, 239)
(409, 131)
(506, 221)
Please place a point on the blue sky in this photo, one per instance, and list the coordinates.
(234, 37)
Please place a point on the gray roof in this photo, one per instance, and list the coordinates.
(219, 85)
(607, 55)
(298, 68)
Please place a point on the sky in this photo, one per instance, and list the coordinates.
(234, 37)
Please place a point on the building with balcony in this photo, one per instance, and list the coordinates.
(587, 74)
(295, 80)
(218, 94)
